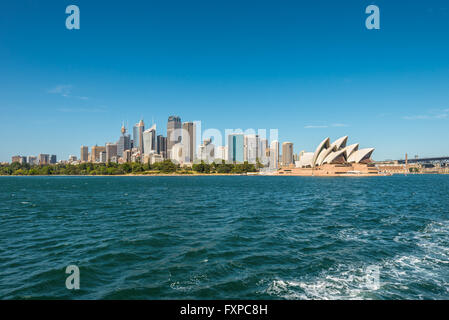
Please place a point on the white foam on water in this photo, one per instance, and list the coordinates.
(342, 282)
(353, 234)
(187, 285)
(426, 264)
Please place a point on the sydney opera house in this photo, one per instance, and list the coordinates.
(333, 159)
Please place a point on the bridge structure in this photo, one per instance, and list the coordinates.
(436, 160)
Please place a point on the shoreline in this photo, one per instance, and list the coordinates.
(131, 175)
(224, 174)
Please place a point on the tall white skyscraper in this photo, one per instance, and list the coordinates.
(150, 140)
(177, 153)
(221, 153)
(252, 145)
(206, 151)
(274, 154)
(263, 151)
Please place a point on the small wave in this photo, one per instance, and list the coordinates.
(342, 282)
(187, 285)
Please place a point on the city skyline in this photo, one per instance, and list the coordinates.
(307, 70)
(197, 144)
(188, 144)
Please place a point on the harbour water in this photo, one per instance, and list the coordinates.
(225, 237)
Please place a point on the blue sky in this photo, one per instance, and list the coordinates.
(308, 68)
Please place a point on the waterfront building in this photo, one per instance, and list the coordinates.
(334, 159)
(189, 141)
(150, 140)
(32, 160)
(126, 157)
(251, 148)
(177, 153)
(17, 159)
(264, 152)
(84, 155)
(72, 158)
(146, 158)
(103, 157)
(207, 151)
(53, 159)
(274, 154)
(138, 130)
(95, 153)
(111, 151)
(305, 160)
(156, 158)
(336, 152)
(236, 148)
(221, 153)
(44, 159)
(161, 145)
(136, 156)
(124, 142)
(173, 133)
(287, 153)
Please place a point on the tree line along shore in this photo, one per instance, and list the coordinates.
(134, 168)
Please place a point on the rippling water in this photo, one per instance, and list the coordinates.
(225, 237)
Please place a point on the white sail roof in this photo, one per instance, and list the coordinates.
(334, 155)
(360, 155)
(350, 149)
(339, 143)
(305, 160)
(323, 145)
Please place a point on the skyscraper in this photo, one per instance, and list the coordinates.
(84, 155)
(264, 151)
(32, 160)
(18, 159)
(189, 141)
(274, 154)
(221, 153)
(150, 140)
(173, 133)
(53, 159)
(124, 142)
(162, 146)
(126, 156)
(287, 153)
(177, 153)
(235, 147)
(206, 151)
(103, 157)
(252, 146)
(111, 151)
(95, 153)
(44, 159)
(138, 130)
